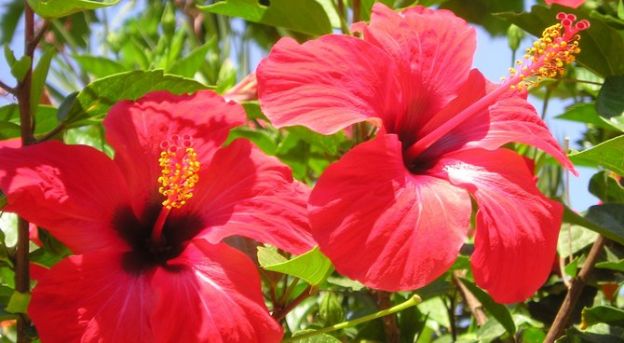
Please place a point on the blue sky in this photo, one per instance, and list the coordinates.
(492, 58)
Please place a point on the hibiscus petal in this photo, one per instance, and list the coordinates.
(244, 192)
(433, 49)
(72, 191)
(327, 84)
(135, 130)
(383, 226)
(510, 119)
(90, 298)
(214, 297)
(517, 227)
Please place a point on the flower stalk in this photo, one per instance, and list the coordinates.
(413, 301)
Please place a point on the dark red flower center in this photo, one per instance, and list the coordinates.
(162, 233)
(146, 253)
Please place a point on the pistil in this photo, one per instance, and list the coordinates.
(548, 57)
(179, 175)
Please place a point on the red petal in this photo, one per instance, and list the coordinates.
(383, 226)
(517, 227)
(568, 3)
(244, 192)
(89, 298)
(433, 49)
(135, 130)
(510, 119)
(217, 298)
(327, 84)
(72, 191)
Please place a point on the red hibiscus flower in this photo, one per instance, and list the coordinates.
(567, 3)
(394, 211)
(146, 227)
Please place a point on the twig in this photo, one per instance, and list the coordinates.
(55, 131)
(279, 315)
(356, 10)
(565, 311)
(391, 329)
(474, 305)
(7, 88)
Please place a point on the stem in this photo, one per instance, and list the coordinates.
(583, 81)
(546, 99)
(413, 301)
(565, 311)
(52, 133)
(356, 10)
(451, 314)
(288, 290)
(22, 92)
(391, 329)
(304, 295)
(475, 306)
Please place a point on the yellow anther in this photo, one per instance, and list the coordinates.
(549, 55)
(179, 171)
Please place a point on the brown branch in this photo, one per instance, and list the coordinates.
(23, 94)
(474, 305)
(7, 88)
(356, 10)
(391, 329)
(576, 288)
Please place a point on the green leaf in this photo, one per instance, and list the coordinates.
(330, 309)
(587, 113)
(320, 338)
(312, 266)
(620, 9)
(610, 102)
(480, 12)
(598, 333)
(98, 97)
(18, 303)
(9, 19)
(490, 331)
(611, 218)
(60, 8)
(607, 154)
(99, 66)
(601, 45)
(602, 219)
(39, 76)
(21, 67)
(606, 187)
(261, 138)
(345, 282)
(190, 64)
(612, 265)
(227, 76)
(602, 314)
(574, 238)
(9, 130)
(269, 256)
(572, 268)
(498, 311)
(306, 16)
